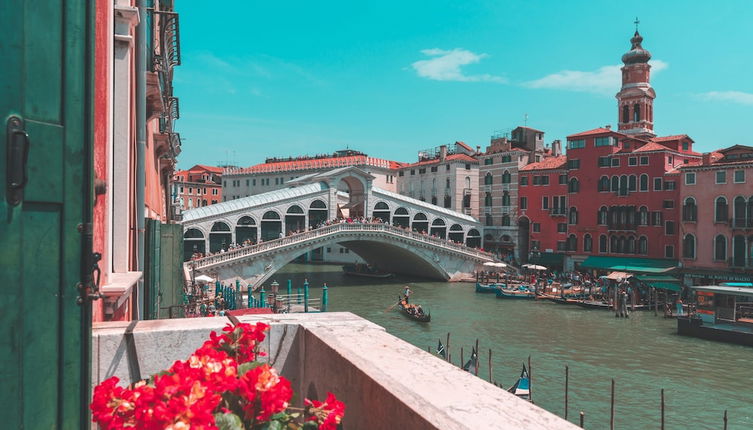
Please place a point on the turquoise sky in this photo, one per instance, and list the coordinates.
(389, 78)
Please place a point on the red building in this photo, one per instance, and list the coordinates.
(622, 186)
(198, 186)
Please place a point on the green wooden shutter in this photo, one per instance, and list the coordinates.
(44, 350)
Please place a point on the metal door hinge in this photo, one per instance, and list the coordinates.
(88, 288)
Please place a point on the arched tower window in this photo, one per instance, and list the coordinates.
(636, 112)
(625, 113)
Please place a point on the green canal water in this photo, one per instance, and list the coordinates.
(643, 354)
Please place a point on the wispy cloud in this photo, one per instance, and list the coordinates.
(447, 66)
(729, 96)
(604, 80)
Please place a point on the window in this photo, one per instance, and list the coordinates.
(536, 227)
(545, 180)
(644, 182)
(643, 216)
(488, 179)
(643, 245)
(505, 220)
(467, 167)
(656, 218)
(506, 158)
(669, 185)
(412, 172)
(489, 220)
(632, 186)
(669, 251)
(669, 227)
(576, 144)
(739, 176)
(563, 179)
(572, 243)
(603, 141)
(545, 202)
(561, 227)
(447, 201)
(434, 168)
(506, 177)
(523, 181)
(721, 211)
(625, 113)
(688, 246)
(603, 243)
(604, 162)
(657, 184)
(685, 146)
(506, 199)
(247, 182)
(488, 199)
(720, 248)
(689, 210)
(615, 184)
(573, 216)
(573, 164)
(690, 179)
(573, 186)
(632, 161)
(644, 160)
(615, 162)
(587, 243)
(668, 204)
(561, 245)
(401, 173)
(604, 183)
(447, 167)
(721, 177)
(422, 170)
(488, 161)
(524, 202)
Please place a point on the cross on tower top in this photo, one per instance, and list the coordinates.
(636, 22)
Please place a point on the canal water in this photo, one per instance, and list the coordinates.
(643, 354)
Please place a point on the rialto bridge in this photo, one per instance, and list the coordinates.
(413, 237)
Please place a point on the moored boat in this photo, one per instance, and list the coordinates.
(488, 288)
(522, 292)
(412, 311)
(522, 387)
(364, 271)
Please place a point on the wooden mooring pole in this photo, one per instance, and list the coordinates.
(582, 418)
(725, 419)
(447, 348)
(477, 354)
(490, 366)
(567, 382)
(462, 359)
(611, 409)
(530, 380)
(662, 409)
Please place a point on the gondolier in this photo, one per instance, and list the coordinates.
(406, 293)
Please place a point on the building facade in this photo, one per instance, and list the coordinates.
(196, 187)
(716, 230)
(446, 176)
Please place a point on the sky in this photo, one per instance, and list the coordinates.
(389, 78)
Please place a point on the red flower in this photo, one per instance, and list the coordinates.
(327, 414)
(265, 393)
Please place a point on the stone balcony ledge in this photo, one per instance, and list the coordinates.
(385, 382)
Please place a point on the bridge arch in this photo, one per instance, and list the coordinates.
(456, 233)
(420, 223)
(246, 229)
(271, 225)
(194, 241)
(220, 236)
(381, 211)
(473, 238)
(401, 218)
(356, 189)
(318, 213)
(295, 219)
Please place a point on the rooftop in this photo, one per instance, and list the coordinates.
(451, 157)
(548, 163)
(316, 162)
(599, 130)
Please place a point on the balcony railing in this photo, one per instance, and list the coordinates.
(558, 211)
(742, 223)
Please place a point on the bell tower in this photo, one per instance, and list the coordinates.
(635, 101)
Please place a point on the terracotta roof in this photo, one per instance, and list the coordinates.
(317, 163)
(451, 157)
(549, 163)
(207, 168)
(590, 132)
(465, 146)
(652, 146)
(671, 138)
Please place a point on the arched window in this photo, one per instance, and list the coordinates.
(689, 210)
(573, 216)
(506, 177)
(613, 244)
(572, 243)
(623, 185)
(604, 183)
(631, 245)
(625, 113)
(489, 220)
(295, 209)
(505, 220)
(488, 179)
(615, 184)
(587, 243)
(220, 226)
(632, 183)
(381, 206)
(721, 211)
(488, 199)
(739, 211)
(602, 243)
(622, 244)
(573, 186)
(688, 246)
(602, 216)
(193, 233)
(269, 215)
(506, 198)
(636, 112)
(318, 204)
(720, 248)
(644, 182)
(750, 213)
(643, 215)
(643, 245)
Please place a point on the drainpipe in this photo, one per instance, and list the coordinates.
(140, 148)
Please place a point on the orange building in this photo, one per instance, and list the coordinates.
(198, 186)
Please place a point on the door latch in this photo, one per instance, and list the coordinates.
(17, 155)
(88, 288)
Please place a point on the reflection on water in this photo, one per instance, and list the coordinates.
(643, 354)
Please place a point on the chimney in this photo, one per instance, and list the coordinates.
(442, 152)
(706, 158)
(608, 126)
(478, 149)
(557, 148)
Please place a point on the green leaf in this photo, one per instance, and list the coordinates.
(310, 425)
(245, 367)
(272, 425)
(228, 422)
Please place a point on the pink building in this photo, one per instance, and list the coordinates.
(716, 194)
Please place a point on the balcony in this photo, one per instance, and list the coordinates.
(558, 212)
(742, 224)
(622, 227)
(376, 374)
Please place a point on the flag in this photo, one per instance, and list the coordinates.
(472, 363)
(440, 350)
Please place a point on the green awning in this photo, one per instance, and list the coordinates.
(663, 282)
(627, 264)
(549, 259)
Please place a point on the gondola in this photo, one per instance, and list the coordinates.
(411, 312)
(488, 288)
(522, 388)
(522, 292)
(364, 271)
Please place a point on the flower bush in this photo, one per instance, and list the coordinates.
(220, 386)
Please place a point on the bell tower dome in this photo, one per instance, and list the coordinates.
(635, 101)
